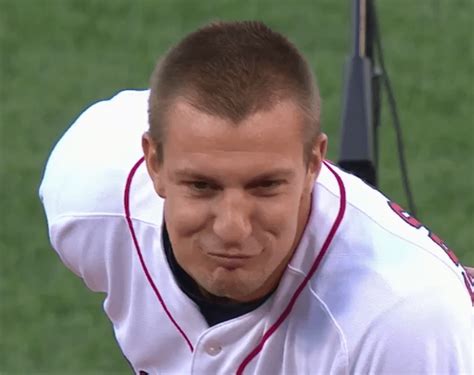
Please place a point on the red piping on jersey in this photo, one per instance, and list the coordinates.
(126, 203)
(317, 262)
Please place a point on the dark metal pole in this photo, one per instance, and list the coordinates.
(360, 110)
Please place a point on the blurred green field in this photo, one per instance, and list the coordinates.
(58, 56)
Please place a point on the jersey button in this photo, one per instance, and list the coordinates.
(213, 349)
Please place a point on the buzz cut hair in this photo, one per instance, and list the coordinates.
(232, 70)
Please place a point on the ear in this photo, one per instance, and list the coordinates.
(153, 163)
(317, 156)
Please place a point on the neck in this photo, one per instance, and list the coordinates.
(211, 298)
(303, 218)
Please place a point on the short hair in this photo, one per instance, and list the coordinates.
(232, 70)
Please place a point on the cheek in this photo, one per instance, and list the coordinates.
(184, 220)
(280, 217)
(185, 217)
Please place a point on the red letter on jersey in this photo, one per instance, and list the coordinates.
(405, 215)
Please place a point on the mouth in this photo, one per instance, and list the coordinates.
(229, 262)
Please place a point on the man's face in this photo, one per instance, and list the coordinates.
(236, 197)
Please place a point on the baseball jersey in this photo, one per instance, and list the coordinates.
(369, 289)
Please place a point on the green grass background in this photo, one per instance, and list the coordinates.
(58, 56)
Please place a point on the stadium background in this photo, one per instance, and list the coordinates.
(58, 56)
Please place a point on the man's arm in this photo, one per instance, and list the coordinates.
(83, 183)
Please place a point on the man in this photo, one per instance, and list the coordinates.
(226, 243)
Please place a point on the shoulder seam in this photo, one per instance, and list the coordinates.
(336, 325)
(387, 230)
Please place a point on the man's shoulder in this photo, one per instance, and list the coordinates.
(372, 221)
(87, 169)
(385, 278)
(380, 260)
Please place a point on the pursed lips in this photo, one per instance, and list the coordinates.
(231, 256)
(229, 261)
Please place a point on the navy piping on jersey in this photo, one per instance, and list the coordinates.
(253, 353)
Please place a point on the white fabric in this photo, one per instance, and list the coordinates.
(385, 299)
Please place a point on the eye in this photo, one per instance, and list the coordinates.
(269, 184)
(268, 188)
(200, 185)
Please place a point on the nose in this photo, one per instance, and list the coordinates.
(232, 218)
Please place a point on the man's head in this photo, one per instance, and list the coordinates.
(234, 148)
(232, 70)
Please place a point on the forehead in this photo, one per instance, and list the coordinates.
(278, 124)
(262, 141)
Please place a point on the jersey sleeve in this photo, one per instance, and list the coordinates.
(428, 333)
(83, 184)
(91, 247)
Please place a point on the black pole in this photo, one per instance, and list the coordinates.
(360, 112)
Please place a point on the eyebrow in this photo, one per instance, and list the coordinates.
(277, 173)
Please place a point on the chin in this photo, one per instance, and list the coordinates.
(232, 284)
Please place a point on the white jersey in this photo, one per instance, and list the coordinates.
(369, 290)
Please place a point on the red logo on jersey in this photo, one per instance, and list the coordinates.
(403, 214)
